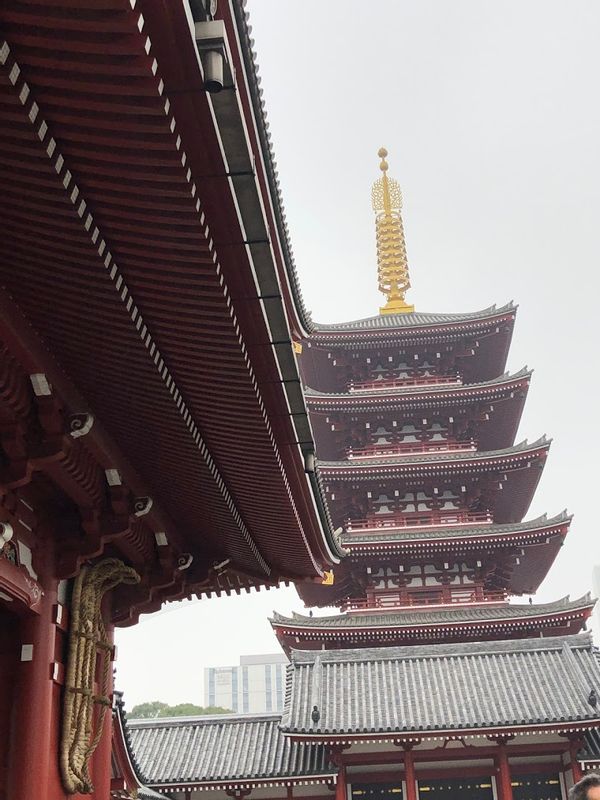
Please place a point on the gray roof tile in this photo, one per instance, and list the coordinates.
(434, 688)
(221, 749)
(414, 320)
(435, 617)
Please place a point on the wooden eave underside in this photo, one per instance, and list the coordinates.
(107, 252)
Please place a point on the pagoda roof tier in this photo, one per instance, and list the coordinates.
(416, 321)
(499, 403)
(416, 396)
(538, 541)
(505, 687)
(147, 281)
(438, 462)
(420, 624)
(440, 538)
(492, 328)
(512, 496)
(223, 751)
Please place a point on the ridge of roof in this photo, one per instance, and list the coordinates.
(579, 641)
(202, 719)
(413, 320)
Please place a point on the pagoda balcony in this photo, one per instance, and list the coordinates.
(409, 448)
(401, 383)
(420, 519)
(426, 597)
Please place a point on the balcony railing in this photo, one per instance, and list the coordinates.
(409, 448)
(398, 383)
(419, 519)
(425, 597)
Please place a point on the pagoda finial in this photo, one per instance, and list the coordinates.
(391, 250)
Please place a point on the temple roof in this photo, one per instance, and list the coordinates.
(222, 749)
(422, 533)
(590, 752)
(435, 458)
(503, 685)
(399, 393)
(424, 616)
(415, 320)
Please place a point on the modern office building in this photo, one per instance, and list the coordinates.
(255, 686)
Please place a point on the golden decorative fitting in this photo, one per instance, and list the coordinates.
(392, 263)
(84, 705)
(328, 578)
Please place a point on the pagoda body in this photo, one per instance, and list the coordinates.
(415, 420)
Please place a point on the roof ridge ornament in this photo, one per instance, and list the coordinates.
(392, 262)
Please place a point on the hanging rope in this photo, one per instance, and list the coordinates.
(81, 727)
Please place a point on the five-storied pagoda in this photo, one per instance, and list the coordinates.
(429, 684)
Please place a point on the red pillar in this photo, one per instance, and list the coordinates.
(576, 771)
(100, 768)
(409, 774)
(503, 783)
(33, 764)
(340, 787)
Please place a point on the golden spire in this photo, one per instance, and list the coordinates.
(391, 250)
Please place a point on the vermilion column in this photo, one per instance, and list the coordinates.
(100, 767)
(409, 774)
(575, 768)
(340, 787)
(503, 782)
(33, 762)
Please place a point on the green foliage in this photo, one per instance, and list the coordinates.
(155, 709)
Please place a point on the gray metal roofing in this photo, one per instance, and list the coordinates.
(425, 689)
(415, 320)
(435, 617)
(144, 793)
(433, 458)
(439, 532)
(221, 749)
(433, 390)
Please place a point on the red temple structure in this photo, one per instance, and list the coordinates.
(151, 388)
(428, 682)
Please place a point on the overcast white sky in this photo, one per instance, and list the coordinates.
(491, 117)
